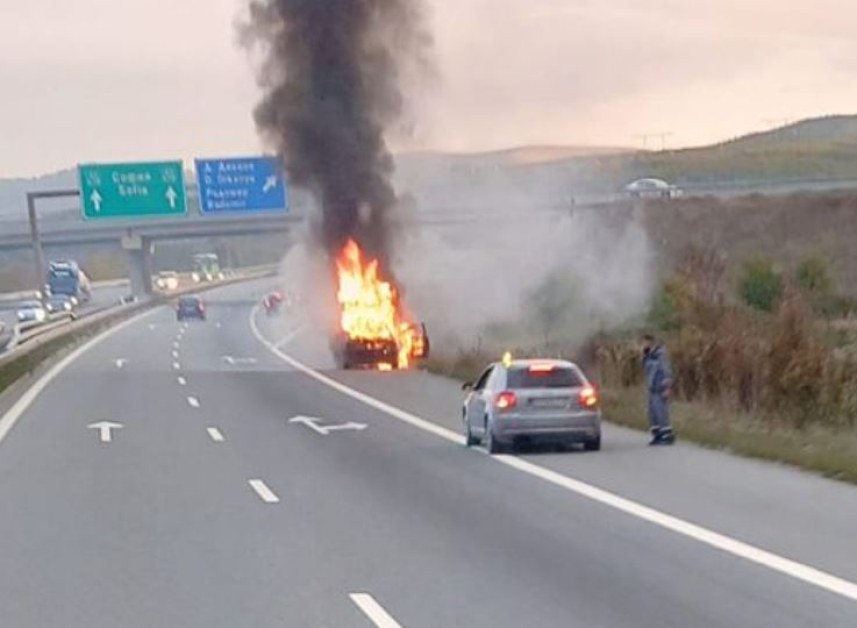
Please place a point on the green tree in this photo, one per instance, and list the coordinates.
(813, 278)
(760, 284)
(664, 312)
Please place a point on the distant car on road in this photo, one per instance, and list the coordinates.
(167, 280)
(190, 307)
(652, 188)
(61, 303)
(32, 312)
(531, 401)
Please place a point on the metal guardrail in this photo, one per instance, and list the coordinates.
(24, 295)
(30, 340)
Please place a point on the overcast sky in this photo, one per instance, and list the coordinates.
(103, 80)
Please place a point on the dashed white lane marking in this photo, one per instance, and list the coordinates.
(7, 422)
(193, 402)
(176, 366)
(182, 381)
(374, 611)
(775, 562)
(176, 344)
(176, 355)
(215, 435)
(262, 490)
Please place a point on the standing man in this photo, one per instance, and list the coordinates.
(658, 385)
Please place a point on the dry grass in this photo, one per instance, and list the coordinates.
(830, 452)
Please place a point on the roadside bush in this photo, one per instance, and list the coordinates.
(779, 365)
(813, 278)
(760, 284)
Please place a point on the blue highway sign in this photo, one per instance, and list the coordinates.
(243, 184)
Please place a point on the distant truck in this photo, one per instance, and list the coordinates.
(206, 267)
(66, 277)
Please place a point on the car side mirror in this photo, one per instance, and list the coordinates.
(467, 386)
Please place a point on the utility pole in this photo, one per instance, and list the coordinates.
(645, 137)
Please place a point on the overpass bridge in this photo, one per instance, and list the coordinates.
(137, 236)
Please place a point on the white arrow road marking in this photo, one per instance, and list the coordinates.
(358, 427)
(264, 492)
(96, 199)
(233, 361)
(706, 536)
(182, 381)
(104, 428)
(120, 362)
(374, 611)
(270, 183)
(193, 402)
(215, 435)
(171, 197)
(324, 430)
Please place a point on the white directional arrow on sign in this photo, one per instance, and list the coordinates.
(171, 197)
(270, 183)
(325, 430)
(104, 428)
(96, 199)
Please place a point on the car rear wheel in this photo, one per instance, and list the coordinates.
(492, 444)
(469, 439)
(593, 444)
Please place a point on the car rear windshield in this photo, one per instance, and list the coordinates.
(557, 377)
(188, 301)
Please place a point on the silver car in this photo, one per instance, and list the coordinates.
(32, 312)
(532, 401)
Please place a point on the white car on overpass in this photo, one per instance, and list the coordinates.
(652, 188)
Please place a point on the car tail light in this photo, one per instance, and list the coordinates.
(506, 400)
(588, 397)
(202, 307)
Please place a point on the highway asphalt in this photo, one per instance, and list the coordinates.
(210, 506)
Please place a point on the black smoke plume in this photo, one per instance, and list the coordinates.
(331, 79)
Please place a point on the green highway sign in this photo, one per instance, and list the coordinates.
(132, 190)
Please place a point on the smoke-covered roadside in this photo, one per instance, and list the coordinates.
(331, 79)
(537, 281)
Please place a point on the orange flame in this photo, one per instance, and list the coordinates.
(370, 306)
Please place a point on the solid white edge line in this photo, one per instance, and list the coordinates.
(193, 402)
(23, 403)
(262, 490)
(374, 611)
(800, 571)
(215, 434)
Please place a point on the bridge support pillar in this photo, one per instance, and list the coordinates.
(139, 259)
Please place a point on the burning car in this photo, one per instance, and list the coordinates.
(373, 331)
